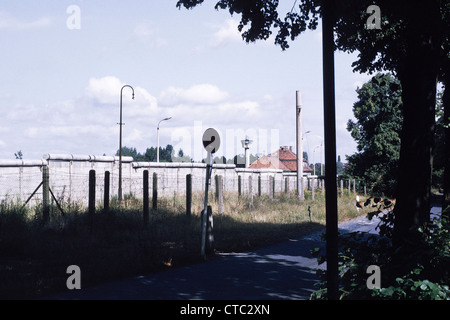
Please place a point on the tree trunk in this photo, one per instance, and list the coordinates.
(446, 104)
(418, 76)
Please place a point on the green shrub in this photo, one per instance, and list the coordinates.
(422, 274)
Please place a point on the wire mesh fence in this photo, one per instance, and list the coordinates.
(69, 181)
(19, 184)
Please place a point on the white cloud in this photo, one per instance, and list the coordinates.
(85, 125)
(143, 30)
(196, 94)
(135, 136)
(147, 34)
(9, 22)
(227, 33)
(105, 90)
(236, 110)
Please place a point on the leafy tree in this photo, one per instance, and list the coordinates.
(444, 128)
(150, 154)
(166, 154)
(18, 154)
(181, 157)
(424, 276)
(305, 156)
(130, 152)
(377, 134)
(439, 146)
(413, 44)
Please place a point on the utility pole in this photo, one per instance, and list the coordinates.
(329, 112)
(299, 146)
(120, 142)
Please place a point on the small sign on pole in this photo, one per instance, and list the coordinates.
(211, 142)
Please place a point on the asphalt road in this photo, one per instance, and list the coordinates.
(283, 271)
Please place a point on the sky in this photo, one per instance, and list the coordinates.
(63, 65)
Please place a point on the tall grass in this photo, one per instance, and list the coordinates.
(34, 254)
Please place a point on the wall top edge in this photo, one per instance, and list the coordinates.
(257, 170)
(22, 163)
(82, 157)
(145, 164)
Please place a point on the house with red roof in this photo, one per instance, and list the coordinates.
(284, 159)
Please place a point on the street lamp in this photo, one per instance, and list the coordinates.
(246, 145)
(157, 134)
(307, 142)
(314, 157)
(120, 141)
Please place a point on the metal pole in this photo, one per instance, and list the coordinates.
(247, 157)
(330, 149)
(157, 143)
(120, 142)
(299, 146)
(157, 137)
(120, 150)
(205, 204)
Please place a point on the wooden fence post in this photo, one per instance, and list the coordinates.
(313, 186)
(188, 194)
(219, 188)
(342, 187)
(155, 192)
(354, 186)
(216, 182)
(259, 186)
(286, 187)
(106, 191)
(271, 191)
(91, 201)
(239, 186)
(146, 198)
(45, 194)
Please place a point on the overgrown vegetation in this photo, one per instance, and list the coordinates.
(34, 256)
(419, 274)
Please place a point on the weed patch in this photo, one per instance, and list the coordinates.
(114, 244)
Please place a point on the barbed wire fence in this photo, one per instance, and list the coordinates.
(22, 185)
(19, 185)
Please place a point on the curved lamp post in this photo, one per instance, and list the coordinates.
(157, 134)
(120, 141)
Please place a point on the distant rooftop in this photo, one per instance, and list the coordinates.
(284, 159)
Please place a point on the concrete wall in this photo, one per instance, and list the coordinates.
(69, 177)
